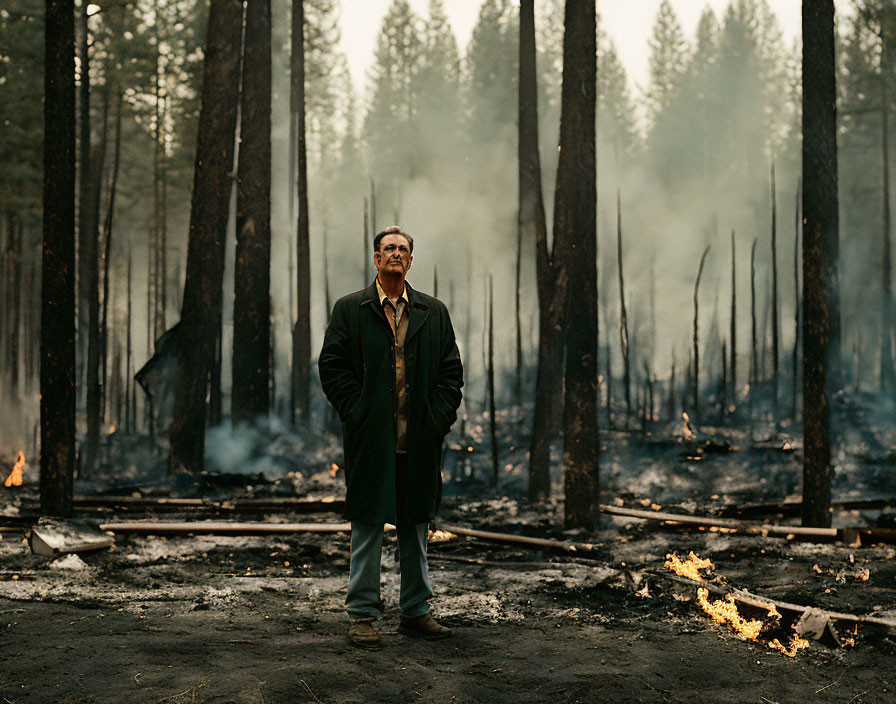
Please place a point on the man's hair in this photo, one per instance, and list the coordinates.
(392, 230)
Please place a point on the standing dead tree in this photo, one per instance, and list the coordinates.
(696, 343)
(820, 252)
(797, 299)
(57, 332)
(774, 311)
(623, 315)
(301, 332)
(201, 310)
(575, 222)
(550, 273)
(733, 340)
(252, 264)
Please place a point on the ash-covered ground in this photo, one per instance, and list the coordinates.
(203, 618)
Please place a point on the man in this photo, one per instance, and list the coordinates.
(391, 368)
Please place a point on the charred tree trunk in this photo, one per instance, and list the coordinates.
(820, 252)
(130, 416)
(301, 334)
(575, 222)
(754, 352)
(696, 348)
(201, 312)
(57, 336)
(13, 303)
(733, 365)
(795, 370)
(435, 280)
(107, 255)
(252, 267)
(94, 391)
(366, 238)
(887, 368)
(84, 200)
(623, 315)
(492, 427)
(551, 286)
(774, 310)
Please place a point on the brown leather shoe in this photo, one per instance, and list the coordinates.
(424, 626)
(363, 634)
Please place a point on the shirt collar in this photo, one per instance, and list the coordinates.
(383, 296)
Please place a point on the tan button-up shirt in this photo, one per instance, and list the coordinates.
(397, 314)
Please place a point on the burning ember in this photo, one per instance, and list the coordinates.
(688, 429)
(15, 479)
(689, 568)
(334, 468)
(440, 536)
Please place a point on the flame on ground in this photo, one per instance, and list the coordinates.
(15, 478)
(440, 536)
(334, 468)
(725, 612)
(689, 568)
(687, 430)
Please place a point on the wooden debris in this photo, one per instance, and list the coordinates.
(53, 537)
(139, 503)
(725, 523)
(560, 545)
(221, 527)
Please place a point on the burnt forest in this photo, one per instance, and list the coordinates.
(672, 476)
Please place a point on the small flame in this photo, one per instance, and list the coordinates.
(689, 568)
(725, 612)
(687, 430)
(440, 536)
(334, 468)
(15, 478)
(111, 430)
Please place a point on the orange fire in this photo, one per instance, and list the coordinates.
(440, 536)
(724, 611)
(334, 468)
(111, 429)
(15, 479)
(687, 430)
(689, 568)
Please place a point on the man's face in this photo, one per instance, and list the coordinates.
(394, 255)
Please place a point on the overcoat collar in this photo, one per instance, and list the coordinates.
(417, 313)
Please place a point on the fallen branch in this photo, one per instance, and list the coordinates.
(139, 503)
(726, 523)
(560, 545)
(221, 527)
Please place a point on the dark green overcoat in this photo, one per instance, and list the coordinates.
(357, 372)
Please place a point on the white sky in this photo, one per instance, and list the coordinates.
(628, 22)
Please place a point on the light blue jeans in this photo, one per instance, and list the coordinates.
(363, 598)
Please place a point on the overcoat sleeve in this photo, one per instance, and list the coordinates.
(446, 395)
(338, 377)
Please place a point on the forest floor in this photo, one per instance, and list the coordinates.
(227, 619)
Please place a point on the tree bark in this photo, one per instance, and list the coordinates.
(301, 334)
(57, 337)
(575, 221)
(820, 245)
(208, 223)
(252, 267)
(551, 291)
